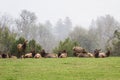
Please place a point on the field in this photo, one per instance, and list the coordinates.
(60, 69)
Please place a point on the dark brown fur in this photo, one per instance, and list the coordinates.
(108, 53)
(62, 54)
(47, 55)
(33, 52)
(97, 54)
(4, 55)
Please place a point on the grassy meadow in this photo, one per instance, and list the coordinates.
(60, 69)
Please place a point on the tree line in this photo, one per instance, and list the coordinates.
(103, 33)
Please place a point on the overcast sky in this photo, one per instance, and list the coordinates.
(81, 12)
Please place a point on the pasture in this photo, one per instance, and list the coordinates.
(60, 69)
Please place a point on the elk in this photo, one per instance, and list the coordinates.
(21, 48)
(99, 54)
(28, 55)
(62, 54)
(37, 55)
(48, 55)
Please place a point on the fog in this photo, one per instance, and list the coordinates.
(81, 12)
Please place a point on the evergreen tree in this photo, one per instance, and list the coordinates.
(66, 45)
(115, 47)
(14, 50)
(7, 38)
(32, 45)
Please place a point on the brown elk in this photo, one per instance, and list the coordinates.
(4, 55)
(77, 49)
(48, 55)
(37, 55)
(21, 48)
(99, 54)
(14, 57)
(28, 55)
(62, 54)
(90, 54)
(80, 52)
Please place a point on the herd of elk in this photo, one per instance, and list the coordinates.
(81, 52)
(77, 52)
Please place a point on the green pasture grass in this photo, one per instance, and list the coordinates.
(60, 69)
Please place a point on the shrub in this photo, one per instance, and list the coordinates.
(66, 45)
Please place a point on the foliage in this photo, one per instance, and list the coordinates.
(81, 35)
(14, 50)
(102, 29)
(97, 36)
(66, 45)
(7, 38)
(28, 28)
(31, 45)
(115, 44)
(27, 19)
(63, 28)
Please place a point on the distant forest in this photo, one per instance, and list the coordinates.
(103, 33)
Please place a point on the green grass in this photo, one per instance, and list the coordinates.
(60, 69)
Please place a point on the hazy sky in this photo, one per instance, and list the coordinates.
(81, 12)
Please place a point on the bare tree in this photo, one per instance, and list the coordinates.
(63, 28)
(45, 38)
(103, 29)
(27, 20)
(80, 35)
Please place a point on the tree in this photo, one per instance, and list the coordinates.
(31, 45)
(80, 35)
(14, 50)
(104, 28)
(59, 30)
(7, 38)
(63, 28)
(93, 36)
(114, 44)
(68, 25)
(49, 25)
(45, 38)
(66, 45)
(27, 20)
(6, 21)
